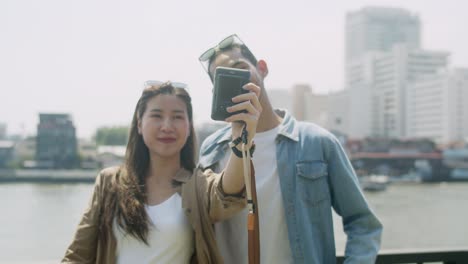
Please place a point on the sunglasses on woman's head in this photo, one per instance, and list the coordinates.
(151, 83)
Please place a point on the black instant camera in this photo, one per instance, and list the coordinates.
(228, 83)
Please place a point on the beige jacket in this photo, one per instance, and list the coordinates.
(203, 201)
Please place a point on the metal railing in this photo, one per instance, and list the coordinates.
(420, 256)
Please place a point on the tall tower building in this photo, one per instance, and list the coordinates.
(378, 29)
(383, 56)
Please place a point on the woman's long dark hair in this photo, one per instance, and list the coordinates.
(126, 201)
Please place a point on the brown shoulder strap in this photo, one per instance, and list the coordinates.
(252, 223)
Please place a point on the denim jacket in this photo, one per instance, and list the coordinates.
(315, 175)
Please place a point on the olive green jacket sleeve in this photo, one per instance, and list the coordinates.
(205, 202)
(84, 245)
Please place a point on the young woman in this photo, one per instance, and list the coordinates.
(158, 207)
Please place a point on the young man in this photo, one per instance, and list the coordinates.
(301, 173)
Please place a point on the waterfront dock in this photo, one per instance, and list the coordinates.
(47, 176)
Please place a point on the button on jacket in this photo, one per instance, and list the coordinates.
(315, 176)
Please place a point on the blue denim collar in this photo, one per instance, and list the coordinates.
(288, 127)
(226, 137)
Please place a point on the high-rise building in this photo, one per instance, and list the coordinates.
(300, 96)
(379, 41)
(386, 76)
(6, 152)
(56, 144)
(310, 106)
(280, 98)
(3, 131)
(378, 29)
(302, 103)
(459, 83)
(395, 88)
(318, 109)
(338, 112)
(437, 106)
(392, 72)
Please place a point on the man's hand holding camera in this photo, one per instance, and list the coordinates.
(250, 105)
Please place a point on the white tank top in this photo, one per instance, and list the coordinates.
(170, 237)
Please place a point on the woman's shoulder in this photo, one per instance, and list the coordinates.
(186, 176)
(108, 175)
(110, 171)
(198, 178)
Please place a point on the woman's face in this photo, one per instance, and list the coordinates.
(165, 126)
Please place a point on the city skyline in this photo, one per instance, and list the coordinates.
(94, 57)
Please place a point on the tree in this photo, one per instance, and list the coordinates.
(117, 135)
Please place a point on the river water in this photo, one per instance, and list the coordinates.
(37, 221)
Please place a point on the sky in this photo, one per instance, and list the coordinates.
(90, 58)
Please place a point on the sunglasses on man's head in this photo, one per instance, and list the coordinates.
(151, 83)
(223, 44)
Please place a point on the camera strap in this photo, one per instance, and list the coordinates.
(252, 205)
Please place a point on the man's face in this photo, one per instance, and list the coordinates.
(233, 58)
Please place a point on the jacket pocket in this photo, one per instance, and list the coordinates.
(312, 179)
